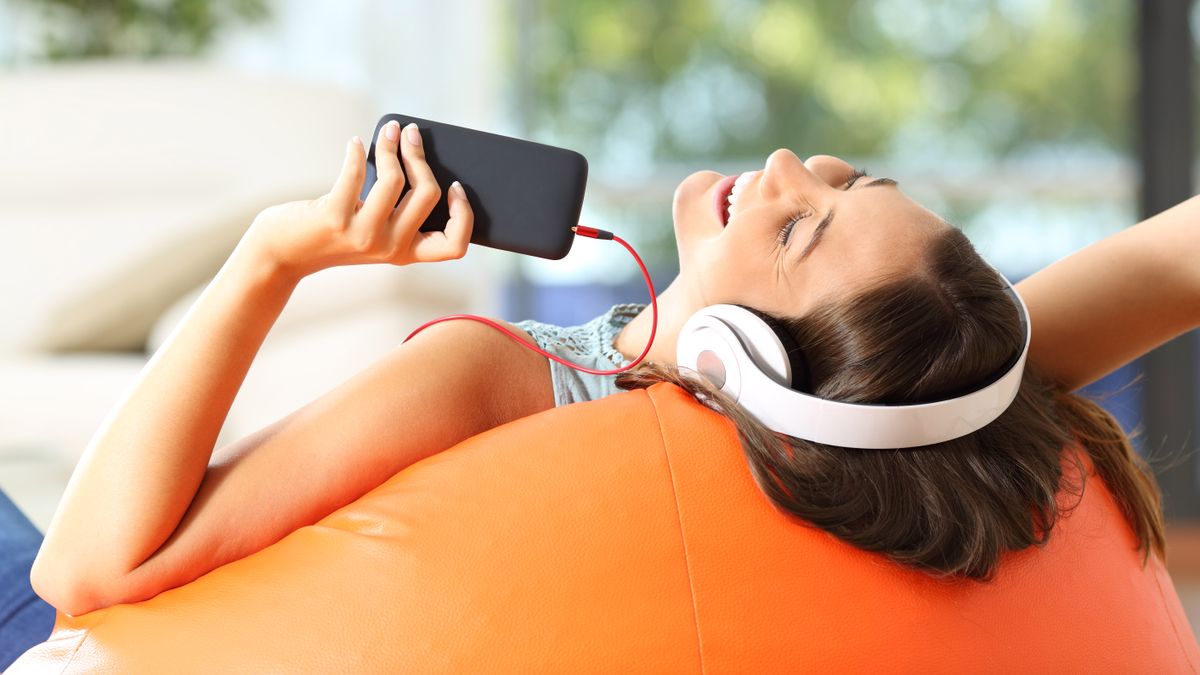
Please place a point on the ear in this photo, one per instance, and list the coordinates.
(800, 379)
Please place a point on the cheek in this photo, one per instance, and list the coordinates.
(727, 270)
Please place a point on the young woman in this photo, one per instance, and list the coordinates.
(887, 301)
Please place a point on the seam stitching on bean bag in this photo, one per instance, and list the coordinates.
(87, 633)
(679, 516)
(1162, 596)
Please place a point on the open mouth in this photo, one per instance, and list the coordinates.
(721, 198)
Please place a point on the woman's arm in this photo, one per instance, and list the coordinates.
(424, 396)
(1103, 306)
(140, 474)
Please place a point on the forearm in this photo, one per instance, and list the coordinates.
(140, 471)
(1185, 223)
(1116, 299)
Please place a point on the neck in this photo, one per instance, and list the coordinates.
(674, 308)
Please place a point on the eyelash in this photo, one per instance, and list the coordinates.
(790, 223)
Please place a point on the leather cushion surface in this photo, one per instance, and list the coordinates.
(626, 534)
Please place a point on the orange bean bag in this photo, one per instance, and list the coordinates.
(620, 535)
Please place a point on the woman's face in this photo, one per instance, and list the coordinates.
(868, 227)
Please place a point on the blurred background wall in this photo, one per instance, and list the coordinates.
(139, 137)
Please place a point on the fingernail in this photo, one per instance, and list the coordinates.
(391, 130)
(458, 189)
(414, 136)
(357, 140)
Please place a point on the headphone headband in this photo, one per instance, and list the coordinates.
(744, 357)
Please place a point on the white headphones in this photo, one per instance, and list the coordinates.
(739, 352)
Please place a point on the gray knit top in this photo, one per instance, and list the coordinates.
(589, 345)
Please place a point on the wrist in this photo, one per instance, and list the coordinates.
(260, 253)
(256, 268)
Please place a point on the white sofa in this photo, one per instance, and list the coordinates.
(123, 188)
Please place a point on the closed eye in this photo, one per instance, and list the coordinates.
(785, 232)
(789, 224)
(858, 173)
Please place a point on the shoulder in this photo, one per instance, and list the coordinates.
(496, 361)
(465, 332)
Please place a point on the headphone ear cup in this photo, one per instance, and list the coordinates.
(708, 346)
(795, 356)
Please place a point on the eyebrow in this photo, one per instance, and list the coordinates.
(828, 218)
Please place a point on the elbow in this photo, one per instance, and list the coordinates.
(64, 593)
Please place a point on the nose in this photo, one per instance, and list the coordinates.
(783, 167)
(830, 169)
(784, 171)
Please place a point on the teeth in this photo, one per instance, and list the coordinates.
(738, 184)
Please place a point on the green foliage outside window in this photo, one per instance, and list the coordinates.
(77, 29)
(728, 78)
(959, 97)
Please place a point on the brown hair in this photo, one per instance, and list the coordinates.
(949, 508)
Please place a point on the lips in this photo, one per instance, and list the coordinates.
(720, 198)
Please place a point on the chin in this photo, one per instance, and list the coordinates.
(690, 203)
(691, 213)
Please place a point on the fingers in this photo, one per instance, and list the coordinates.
(389, 181)
(425, 192)
(343, 198)
(454, 240)
(381, 221)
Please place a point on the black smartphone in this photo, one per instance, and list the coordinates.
(526, 196)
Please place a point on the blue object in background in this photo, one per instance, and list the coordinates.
(25, 619)
(1124, 402)
(574, 304)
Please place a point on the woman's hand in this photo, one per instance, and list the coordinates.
(302, 237)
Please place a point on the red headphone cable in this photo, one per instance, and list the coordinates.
(583, 231)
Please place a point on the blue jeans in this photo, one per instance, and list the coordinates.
(25, 619)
